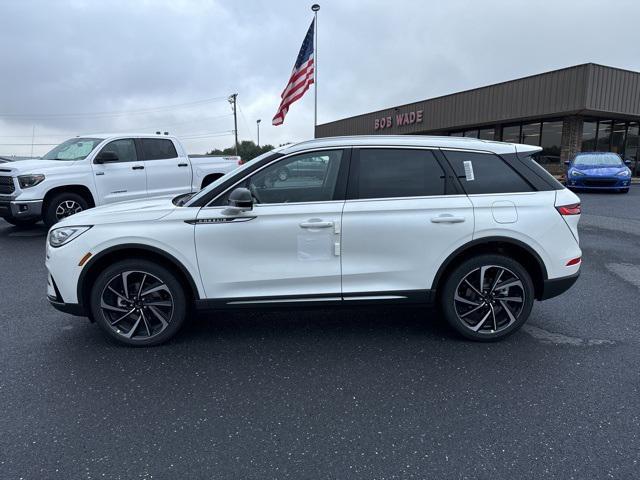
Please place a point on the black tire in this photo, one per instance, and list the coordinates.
(150, 330)
(22, 222)
(466, 310)
(63, 205)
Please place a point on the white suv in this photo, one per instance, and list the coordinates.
(476, 226)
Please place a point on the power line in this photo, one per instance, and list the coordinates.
(113, 113)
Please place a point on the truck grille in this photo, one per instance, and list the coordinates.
(7, 187)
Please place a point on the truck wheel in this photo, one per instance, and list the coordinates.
(21, 222)
(63, 205)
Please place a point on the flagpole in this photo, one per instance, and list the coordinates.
(315, 7)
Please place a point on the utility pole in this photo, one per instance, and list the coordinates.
(233, 98)
(258, 125)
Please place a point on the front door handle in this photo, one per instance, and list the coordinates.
(316, 224)
(137, 167)
(447, 218)
(183, 164)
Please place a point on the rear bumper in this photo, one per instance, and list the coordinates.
(20, 208)
(557, 286)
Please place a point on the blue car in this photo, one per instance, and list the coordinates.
(598, 171)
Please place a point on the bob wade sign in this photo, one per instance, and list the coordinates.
(399, 119)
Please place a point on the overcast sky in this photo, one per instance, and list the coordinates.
(81, 66)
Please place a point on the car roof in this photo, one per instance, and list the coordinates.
(464, 143)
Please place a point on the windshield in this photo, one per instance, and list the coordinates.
(73, 149)
(598, 159)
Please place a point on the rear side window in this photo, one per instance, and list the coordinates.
(158, 148)
(486, 173)
(391, 173)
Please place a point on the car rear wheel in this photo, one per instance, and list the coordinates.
(488, 297)
(138, 303)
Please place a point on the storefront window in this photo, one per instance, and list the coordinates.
(617, 137)
(487, 134)
(531, 134)
(511, 134)
(457, 134)
(631, 147)
(471, 133)
(589, 136)
(604, 136)
(550, 142)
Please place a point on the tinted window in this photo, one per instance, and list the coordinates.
(308, 177)
(490, 173)
(389, 173)
(158, 148)
(125, 149)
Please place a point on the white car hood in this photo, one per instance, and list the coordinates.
(131, 211)
(36, 166)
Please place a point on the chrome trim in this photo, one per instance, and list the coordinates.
(376, 297)
(286, 300)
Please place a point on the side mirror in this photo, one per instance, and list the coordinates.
(627, 162)
(240, 200)
(107, 157)
(567, 162)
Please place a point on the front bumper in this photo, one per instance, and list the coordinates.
(598, 183)
(55, 299)
(20, 208)
(557, 286)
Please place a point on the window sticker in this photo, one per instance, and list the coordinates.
(468, 170)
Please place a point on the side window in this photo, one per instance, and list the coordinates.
(125, 149)
(490, 174)
(391, 173)
(158, 148)
(308, 177)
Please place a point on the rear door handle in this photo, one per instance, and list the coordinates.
(316, 224)
(447, 218)
(137, 167)
(183, 164)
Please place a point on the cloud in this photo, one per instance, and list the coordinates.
(67, 57)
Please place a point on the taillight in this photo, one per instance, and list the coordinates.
(574, 261)
(240, 161)
(573, 209)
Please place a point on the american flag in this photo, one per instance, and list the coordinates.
(301, 77)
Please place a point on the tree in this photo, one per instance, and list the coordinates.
(247, 150)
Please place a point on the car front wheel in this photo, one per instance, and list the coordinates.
(63, 205)
(487, 297)
(138, 303)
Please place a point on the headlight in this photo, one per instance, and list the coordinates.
(624, 173)
(63, 235)
(27, 181)
(576, 173)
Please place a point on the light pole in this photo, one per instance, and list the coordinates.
(233, 99)
(258, 126)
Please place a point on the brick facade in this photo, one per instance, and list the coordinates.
(571, 137)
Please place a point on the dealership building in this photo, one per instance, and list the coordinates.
(586, 107)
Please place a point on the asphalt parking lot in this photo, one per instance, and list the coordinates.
(354, 393)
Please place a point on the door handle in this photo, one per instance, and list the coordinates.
(137, 167)
(183, 164)
(316, 224)
(99, 173)
(447, 218)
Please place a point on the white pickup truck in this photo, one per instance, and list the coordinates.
(94, 170)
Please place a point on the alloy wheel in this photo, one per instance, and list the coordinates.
(137, 305)
(489, 299)
(67, 208)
